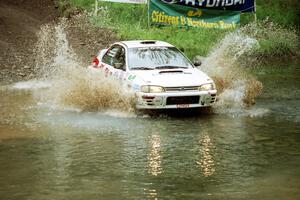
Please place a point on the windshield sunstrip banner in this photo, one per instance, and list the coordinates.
(161, 13)
(235, 5)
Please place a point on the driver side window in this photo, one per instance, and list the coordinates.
(115, 57)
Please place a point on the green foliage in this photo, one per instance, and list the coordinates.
(71, 7)
(274, 39)
(87, 4)
(129, 21)
(84, 4)
(283, 12)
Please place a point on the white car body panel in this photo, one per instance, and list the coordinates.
(174, 77)
(181, 85)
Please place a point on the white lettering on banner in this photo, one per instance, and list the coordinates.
(229, 2)
(205, 3)
(187, 2)
(217, 3)
(190, 1)
(210, 3)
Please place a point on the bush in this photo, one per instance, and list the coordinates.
(274, 39)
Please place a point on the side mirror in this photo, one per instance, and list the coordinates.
(197, 63)
(198, 60)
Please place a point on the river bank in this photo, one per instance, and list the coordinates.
(20, 25)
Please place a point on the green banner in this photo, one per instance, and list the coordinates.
(161, 13)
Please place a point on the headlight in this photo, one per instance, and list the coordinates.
(206, 87)
(152, 89)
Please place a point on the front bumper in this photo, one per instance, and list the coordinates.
(175, 100)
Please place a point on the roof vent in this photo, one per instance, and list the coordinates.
(148, 42)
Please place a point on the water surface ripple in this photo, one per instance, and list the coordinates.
(48, 153)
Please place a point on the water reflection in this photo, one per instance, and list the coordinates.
(206, 161)
(62, 160)
(154, 157)
(151, 194)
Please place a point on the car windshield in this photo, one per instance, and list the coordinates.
(149, 58)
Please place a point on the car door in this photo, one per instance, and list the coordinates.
(114, 61)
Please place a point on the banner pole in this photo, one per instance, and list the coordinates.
(96, 8)
(255, 17)
(148, 13)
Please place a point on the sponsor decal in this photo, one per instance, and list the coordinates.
(106, 70)
(131, 77)
(116, 74)
(135, 87)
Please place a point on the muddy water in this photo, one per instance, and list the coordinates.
(73, 135)
(52, 153)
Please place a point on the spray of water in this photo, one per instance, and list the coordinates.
(236, 87)
(45, 49)
(71, 84)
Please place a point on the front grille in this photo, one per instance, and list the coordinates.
(183, 100)
(181, 89)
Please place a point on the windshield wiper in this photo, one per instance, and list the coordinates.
(142, 68)
(169, 67)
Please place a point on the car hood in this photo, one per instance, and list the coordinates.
(173, 77)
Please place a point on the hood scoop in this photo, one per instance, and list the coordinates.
(171, 72)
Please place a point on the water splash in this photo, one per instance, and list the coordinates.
(31, 85)
(71, 84)
(237, 89)
(44, 51)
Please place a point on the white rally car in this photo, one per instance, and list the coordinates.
(158, 73)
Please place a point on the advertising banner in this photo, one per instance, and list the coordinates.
(235, 5)
(161, 13)
(127, 1)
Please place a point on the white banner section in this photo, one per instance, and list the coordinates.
(127, 1)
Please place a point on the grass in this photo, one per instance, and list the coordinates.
(283, 12)
(130, 22)
(275, 40)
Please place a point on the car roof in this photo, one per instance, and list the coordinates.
(145, 43)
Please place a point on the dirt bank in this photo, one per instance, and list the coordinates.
(20, 20)
(85, 39)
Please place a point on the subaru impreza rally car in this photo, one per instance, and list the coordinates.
(160, 75)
